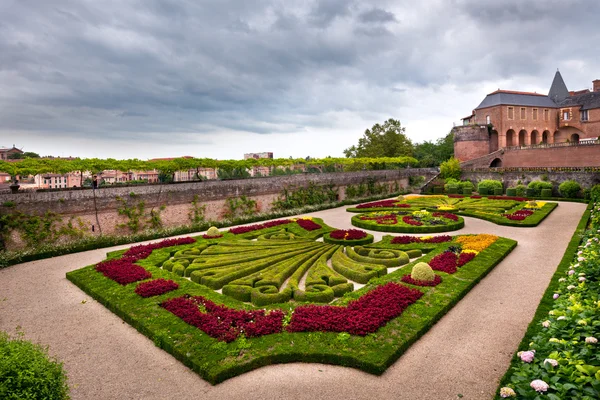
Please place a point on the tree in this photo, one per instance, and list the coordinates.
(20, 156)
(387, 140)
(432, 154)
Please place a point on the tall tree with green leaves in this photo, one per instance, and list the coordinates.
(387, 140)
(432, 154)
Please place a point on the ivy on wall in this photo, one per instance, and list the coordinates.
(312, 194)
(137, 217)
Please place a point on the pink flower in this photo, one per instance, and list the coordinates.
(556, 296)
(551, 361)
(527, 356)
(571, 272)
(591, 340)
(546, 324)
(539, 385)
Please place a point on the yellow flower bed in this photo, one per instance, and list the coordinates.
(535, 204)
(446, 208)
(476, 242)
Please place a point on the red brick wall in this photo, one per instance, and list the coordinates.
(571, 156)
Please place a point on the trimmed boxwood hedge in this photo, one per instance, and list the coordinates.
(405, 228)
(357, 242)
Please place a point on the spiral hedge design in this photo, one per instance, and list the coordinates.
(280, 266)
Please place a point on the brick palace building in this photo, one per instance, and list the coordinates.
(523, 129)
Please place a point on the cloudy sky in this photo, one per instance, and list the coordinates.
(217, 78)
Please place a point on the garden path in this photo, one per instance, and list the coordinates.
(465, 353)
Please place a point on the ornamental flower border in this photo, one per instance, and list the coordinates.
(206, 352)
(408, 223)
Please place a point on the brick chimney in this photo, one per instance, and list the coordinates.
(596, 84)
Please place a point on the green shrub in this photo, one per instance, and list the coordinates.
(422, 272)
(26, 371)
(466, 185)
(511, 191)
(595, 193)
(213, 231)
(450, 169)
(569, 189)
(483, 191)
(467, 191)
(498, 191)
(531, 192)
(520, 190)
(546, 193)
(538, 186)
(489, 184)
(438, 190)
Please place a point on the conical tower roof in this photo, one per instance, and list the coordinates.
(558, 90)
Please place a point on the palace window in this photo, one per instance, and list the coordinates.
(523, 113)
(546, 114)
(534, 114)
(511, 113)
(584, 115)
(565, 115)
(488, 120)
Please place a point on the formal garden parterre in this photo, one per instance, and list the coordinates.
(440, 213)
(275, 293)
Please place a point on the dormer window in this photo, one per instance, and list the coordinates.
(565, 116)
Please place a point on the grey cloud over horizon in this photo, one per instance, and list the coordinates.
(135, 69)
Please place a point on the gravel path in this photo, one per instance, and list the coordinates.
(464, 354)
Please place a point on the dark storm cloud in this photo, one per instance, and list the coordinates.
(120, 67)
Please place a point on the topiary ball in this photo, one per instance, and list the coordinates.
(422, 272)
(213, 232)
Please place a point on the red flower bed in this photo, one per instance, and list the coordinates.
(360, 317)
(435, 282)
(383, 203)
(476, 197)
(389, 219)
(350, 234)
(519, 215)
(155, 287)
(308, 224)
(212, 237)
(410, 221)
(446, 215)
(224, 323)
(445, 262)
(448, 261)
(507, 198)
(414, 239)
(123, 270)
(250, 228)
(464, 258)
(456, 196)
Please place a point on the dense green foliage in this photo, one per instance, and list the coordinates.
(569, 189)
(566, 316)
(432, 154)
(490, 185)
(34, 166)
(538, 186)
(27, 372)
(450, 169)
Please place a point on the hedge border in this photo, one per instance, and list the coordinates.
(547, 301)
(209, 358)
(356, 242)
(373, 226)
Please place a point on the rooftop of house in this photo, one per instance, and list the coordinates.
(509, 97)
